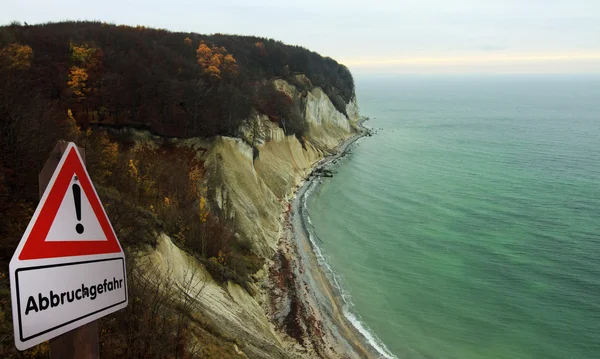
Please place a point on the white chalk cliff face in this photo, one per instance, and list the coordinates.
(352, 110)
(327, 126)
(253, 193)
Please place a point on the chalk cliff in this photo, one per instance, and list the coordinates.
(252, 188)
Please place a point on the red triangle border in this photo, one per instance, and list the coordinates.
(36, 246)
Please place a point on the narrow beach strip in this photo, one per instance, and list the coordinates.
(320, 275)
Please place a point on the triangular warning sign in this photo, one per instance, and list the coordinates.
(70, 220)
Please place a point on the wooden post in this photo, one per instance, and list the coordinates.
(50, 165)
(80, 342)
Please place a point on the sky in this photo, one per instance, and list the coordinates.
(374, 36)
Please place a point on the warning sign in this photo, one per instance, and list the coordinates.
(69, 268)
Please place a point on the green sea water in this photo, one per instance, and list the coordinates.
(468, 226)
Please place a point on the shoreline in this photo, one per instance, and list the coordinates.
(323, 294)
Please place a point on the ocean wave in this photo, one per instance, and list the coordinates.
(368, 334)
(347, 310)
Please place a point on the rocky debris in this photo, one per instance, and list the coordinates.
(322, 172)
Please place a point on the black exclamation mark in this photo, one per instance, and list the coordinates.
(77, 197)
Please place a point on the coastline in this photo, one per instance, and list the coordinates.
(322, 296)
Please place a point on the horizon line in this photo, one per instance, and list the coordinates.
(472, 59)
(361, 73)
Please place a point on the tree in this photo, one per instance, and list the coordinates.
(81, 54)
(230, 64)
(204, 55)
(77, 81)
(260, 48)
(16, 57)
(215, 61)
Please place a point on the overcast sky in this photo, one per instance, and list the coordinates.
(374, 36)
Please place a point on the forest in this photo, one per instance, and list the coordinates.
(174, 84)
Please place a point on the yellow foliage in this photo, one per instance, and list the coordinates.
(260, 47)
(17, 56)
(133, 170)
(146, 185)
(213, 71)
(167, 202)
(77, 78)
(228, 59)
(180, 236)
(195, 174)
(84, 58)
(102, 153)
(203, 210)
(73, 131)
(203, 54)
(221, 258)
(230, 64)
(81, 54)
(187, 41)
(214, 61)
(109, 154)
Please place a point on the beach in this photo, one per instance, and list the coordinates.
(315, 287)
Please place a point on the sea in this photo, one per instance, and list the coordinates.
(468, 225)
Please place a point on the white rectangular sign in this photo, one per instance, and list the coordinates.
(50, 297)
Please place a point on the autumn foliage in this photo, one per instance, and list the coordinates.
(260, 48)
(215, 61)
(16, 57)
(84, 59)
